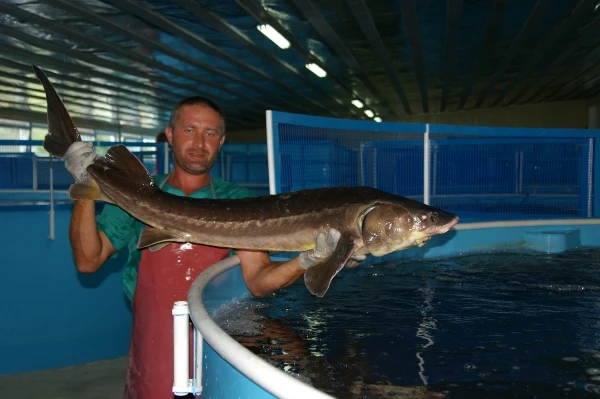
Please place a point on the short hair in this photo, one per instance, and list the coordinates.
(161, 137)
(197, 100)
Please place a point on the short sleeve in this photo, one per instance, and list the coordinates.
(118, 225)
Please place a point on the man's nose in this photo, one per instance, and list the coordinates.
(198, 139)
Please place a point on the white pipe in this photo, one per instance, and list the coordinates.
(524, 223)
(270, 152)
(198, 342)
(181, 348)
(273, 380)
(426, 166)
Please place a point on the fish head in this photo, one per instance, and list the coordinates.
(393, 227)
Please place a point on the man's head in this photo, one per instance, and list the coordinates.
(197, 100)
(196, 133)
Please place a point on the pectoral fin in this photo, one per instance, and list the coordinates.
(318, 277)
(87, 189)
(157, 239)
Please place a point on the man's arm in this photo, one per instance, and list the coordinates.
(91, 247)
(264, 276)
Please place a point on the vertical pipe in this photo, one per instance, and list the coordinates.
(35, 171)
(228, 161)
(181, 348)
(361, 172)
(198, 347)
(521, 156)
(426, 166)
(590, 177)
(166, 157)
(374, 167)
(271, 153)
(51, 184)
(516, 172)
(435, 168)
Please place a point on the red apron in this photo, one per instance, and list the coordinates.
(164, 277)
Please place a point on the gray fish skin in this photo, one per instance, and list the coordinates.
(370, 221)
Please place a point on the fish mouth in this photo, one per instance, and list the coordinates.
(443, 229)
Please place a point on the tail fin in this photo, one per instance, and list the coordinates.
(118, 172)
(61, 129)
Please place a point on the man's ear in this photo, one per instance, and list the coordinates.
(169, 133)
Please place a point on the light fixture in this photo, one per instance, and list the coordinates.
(275, 36)
(369, 113)
(317, 70)
(357, 103)
(377, 119)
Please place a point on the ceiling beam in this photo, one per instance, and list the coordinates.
(31, 93)
(204, 13)
(261, 15)
(453, 16)
(47, 45)
(572, 85)
(411, 23)
(47, 24)
(517, 44)
(484, 48)
(311, 12)
(98, 20)
(365, 21)
(144, 11)
(591, 30)
(583, 91)
(28, 58)
(558, 88)
(579, 11)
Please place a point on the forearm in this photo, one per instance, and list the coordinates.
(86, 241)
(269, 276)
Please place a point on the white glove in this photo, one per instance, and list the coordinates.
(78, 157)
(325, 245)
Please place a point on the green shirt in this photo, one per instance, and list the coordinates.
(124, 230)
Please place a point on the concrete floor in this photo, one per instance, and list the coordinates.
(98, 380)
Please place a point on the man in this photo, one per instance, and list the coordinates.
(155, 280)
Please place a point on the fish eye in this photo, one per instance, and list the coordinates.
(433, 217)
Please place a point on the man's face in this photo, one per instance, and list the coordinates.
(196, 138)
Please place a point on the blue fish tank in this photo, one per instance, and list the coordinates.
(502, 304)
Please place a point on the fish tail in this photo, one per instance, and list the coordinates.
(62, 131)
(119, 169)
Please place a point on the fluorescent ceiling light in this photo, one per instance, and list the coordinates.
(377, 119)
(317, 70)
(275, 36)
(369, 113)
(357, 103)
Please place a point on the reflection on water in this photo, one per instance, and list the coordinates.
(517, 325)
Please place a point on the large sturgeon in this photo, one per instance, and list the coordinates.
(370, 221)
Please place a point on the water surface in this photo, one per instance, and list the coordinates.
(518, 325)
